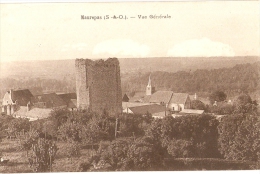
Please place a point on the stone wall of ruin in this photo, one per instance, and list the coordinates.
(99, 85)
(82, 89)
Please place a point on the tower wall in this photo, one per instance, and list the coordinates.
(103, 86)
(82, 89)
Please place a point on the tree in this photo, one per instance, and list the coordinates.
(181, 148)
(59, 116)
(94, 131)
(50, 127)
(197, 104)
(239, 137)
(201, 130)
(131, 124)
(17, 125)
(143, 155)
(114, 154)
(217, 96)
(244, 104)
(42, 155)
(70, 131)
(222, 108)
(128, 155)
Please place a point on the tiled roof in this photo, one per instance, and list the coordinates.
(146, 99)
(22, 96)
(179, 98)
(33, 113)
(138, 96)
(67, 98)
(51, 100)
(132, 104)
(192, 111)
(154, 108)
(161, 96)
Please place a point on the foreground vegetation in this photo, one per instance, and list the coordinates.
(84, 141)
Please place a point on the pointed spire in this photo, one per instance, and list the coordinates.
(149, 86)
(149, 82)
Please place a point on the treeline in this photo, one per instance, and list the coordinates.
(235, 80)
(38, 85)
(243, 78)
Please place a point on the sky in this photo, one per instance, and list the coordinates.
(48, 31)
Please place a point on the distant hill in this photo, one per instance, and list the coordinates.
(58, 69)
(174, 64)
(178, 74)
(241, 78)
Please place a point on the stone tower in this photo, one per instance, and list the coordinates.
(98, 85)
(149, 89)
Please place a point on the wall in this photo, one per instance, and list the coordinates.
(81, 84)
(99, 85)
(7, 99)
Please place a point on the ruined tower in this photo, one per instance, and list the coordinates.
(98, 85)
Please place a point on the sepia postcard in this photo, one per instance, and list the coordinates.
(130, 86)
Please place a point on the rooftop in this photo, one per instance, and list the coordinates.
(33, 114)
(161, 96)
(51, 100)
(179, 98)
(154, 108)
(192, 111)
(23, 96)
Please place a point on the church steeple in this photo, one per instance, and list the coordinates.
(149, 82)
(149, 88)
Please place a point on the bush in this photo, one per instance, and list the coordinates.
(42, 155)
(206, 164)
(18, 125)
(70, 131)
(72, 150)
(201, 129)
(128, 155)
(197, 104)
(180, 148)
(84, 166)
(239, 137)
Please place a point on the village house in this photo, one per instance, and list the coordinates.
(14, 99)
(169, 99)
(70, 99)
(21, 103)
(173, 102)
(50, 100)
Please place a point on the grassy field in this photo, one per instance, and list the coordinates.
(18, 162)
